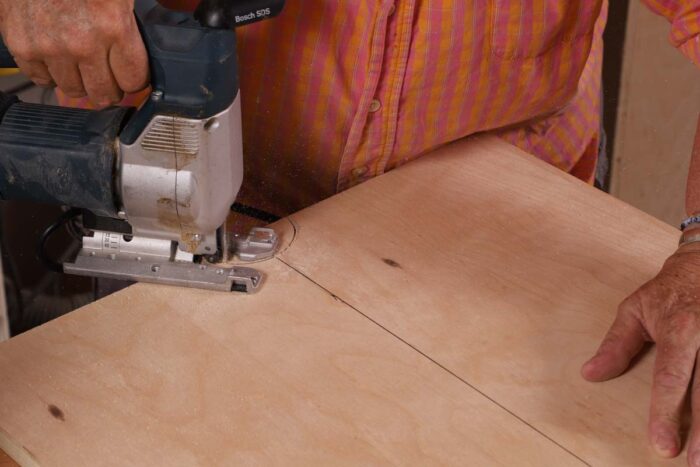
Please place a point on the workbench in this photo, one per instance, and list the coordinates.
(438, 314)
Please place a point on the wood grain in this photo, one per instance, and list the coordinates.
(435, 315)
(504, 271)
(290, 376)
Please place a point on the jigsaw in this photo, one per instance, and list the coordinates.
(152, 186)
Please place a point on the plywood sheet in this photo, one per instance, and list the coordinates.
(290, 376)
(437, 314)
(505, 272)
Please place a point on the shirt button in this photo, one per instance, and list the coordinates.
(359, 171)
(392, 9)
(374, 106)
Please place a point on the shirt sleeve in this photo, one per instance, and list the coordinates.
(684, 16)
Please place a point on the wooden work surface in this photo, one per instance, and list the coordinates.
(438, 314)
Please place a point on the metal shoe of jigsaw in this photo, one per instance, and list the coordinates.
(154, 185)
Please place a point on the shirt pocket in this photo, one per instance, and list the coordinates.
(530, 28)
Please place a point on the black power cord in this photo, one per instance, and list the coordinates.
(41, 254)
(254, 213)
(12, 277)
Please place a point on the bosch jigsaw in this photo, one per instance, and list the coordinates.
(153, 185)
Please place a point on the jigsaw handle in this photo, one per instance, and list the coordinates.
(229, 14)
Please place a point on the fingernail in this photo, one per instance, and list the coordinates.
(589, 363)
(694, 459)
(666, 445)
(588, 367)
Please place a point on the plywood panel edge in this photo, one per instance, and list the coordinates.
(17, 453)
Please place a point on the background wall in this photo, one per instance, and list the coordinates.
(657, 114)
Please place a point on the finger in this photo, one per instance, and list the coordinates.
(99, 81)
(37, 72)
(675, 358)
(129, 61)
(694, 439)
(623, 341)
(67, 77)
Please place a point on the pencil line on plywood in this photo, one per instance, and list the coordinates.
(435, 362)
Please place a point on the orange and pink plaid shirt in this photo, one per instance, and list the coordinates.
(338, 91)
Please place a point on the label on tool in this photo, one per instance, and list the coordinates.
(253, 15)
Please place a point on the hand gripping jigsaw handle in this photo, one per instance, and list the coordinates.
(193, 67)
(216, 14)
(8, 61)
(193, 60)
(68, 156)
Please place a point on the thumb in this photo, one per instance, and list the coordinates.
(623, 341)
